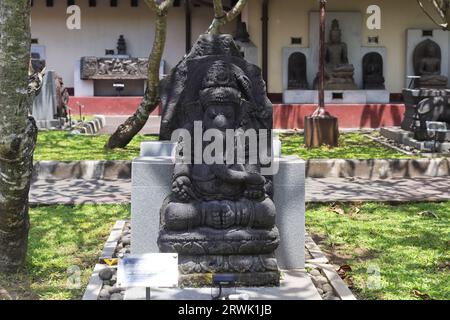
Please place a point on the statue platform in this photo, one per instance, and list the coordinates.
(296, 285)
(151, 182)
(337, 96)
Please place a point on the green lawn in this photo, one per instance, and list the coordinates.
(63, 146)
(351, 146)
(61, 237)
(409, 244)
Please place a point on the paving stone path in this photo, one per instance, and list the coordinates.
(317, 190)
(112, 122)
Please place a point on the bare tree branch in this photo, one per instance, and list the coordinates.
(159, 7)
(234, 12)
(126, 131)
(441, 8)
(218, 8)
(222, 17)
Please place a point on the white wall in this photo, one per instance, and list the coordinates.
(101, 27)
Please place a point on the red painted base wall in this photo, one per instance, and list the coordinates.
(286, 116)
(350, 116)
(108, 106)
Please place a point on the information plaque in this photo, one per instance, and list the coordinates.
(152, 270)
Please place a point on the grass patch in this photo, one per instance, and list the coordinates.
(351, 146)
(408, 243)
(63, 146)
(61, 237)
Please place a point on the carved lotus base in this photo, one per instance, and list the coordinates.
(255, 271)
(207, 241)
(203, 252)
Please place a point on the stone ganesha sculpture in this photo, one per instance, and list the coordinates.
(220, 217)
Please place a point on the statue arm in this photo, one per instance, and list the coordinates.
(345, 53)
(235, 176)
(182, 170)
(422, 69)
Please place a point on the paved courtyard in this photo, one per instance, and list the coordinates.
(317, 190)
(112, 122)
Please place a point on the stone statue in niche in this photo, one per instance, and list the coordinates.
(373, 71)
(121, 46)
(219, 218)
(241, 32)
(338, 71)
(297, 71)
(427, 64)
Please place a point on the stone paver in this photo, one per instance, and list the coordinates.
(112, 122)
(317, 190)
(394, 190)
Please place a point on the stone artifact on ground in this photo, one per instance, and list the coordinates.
(427, 64)
(432, 109)
(338, 71)
(62, 98)
(297, 71)
(121, 46)
(373, 71)
(219, 218)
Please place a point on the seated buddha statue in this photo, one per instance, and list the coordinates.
(428, 66)
(220, 217)
(338, 71)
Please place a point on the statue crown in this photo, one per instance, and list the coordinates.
(219, 86)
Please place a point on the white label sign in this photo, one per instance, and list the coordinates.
(152, 270)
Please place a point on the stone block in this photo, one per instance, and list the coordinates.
(157, 149)
(151, 178)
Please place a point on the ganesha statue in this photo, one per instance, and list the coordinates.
(220, 216)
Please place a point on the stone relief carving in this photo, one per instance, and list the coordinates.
(93, 68)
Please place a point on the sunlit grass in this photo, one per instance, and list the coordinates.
(62, 237)
(408, 243)
(351, 146)
(63, 146)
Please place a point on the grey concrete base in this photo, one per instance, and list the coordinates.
(157, 148)
(374, 169)
(90, 127)
(378, 96)
(348, 96)
(295, 285)
(326, 168)
(406, 138)
(87, 169)
(151, 181)
(48, 124)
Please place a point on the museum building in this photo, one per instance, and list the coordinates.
(375, 49)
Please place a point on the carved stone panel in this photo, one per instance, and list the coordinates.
(94, 68)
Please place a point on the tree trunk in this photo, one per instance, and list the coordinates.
(17, 133)
(126, 131)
